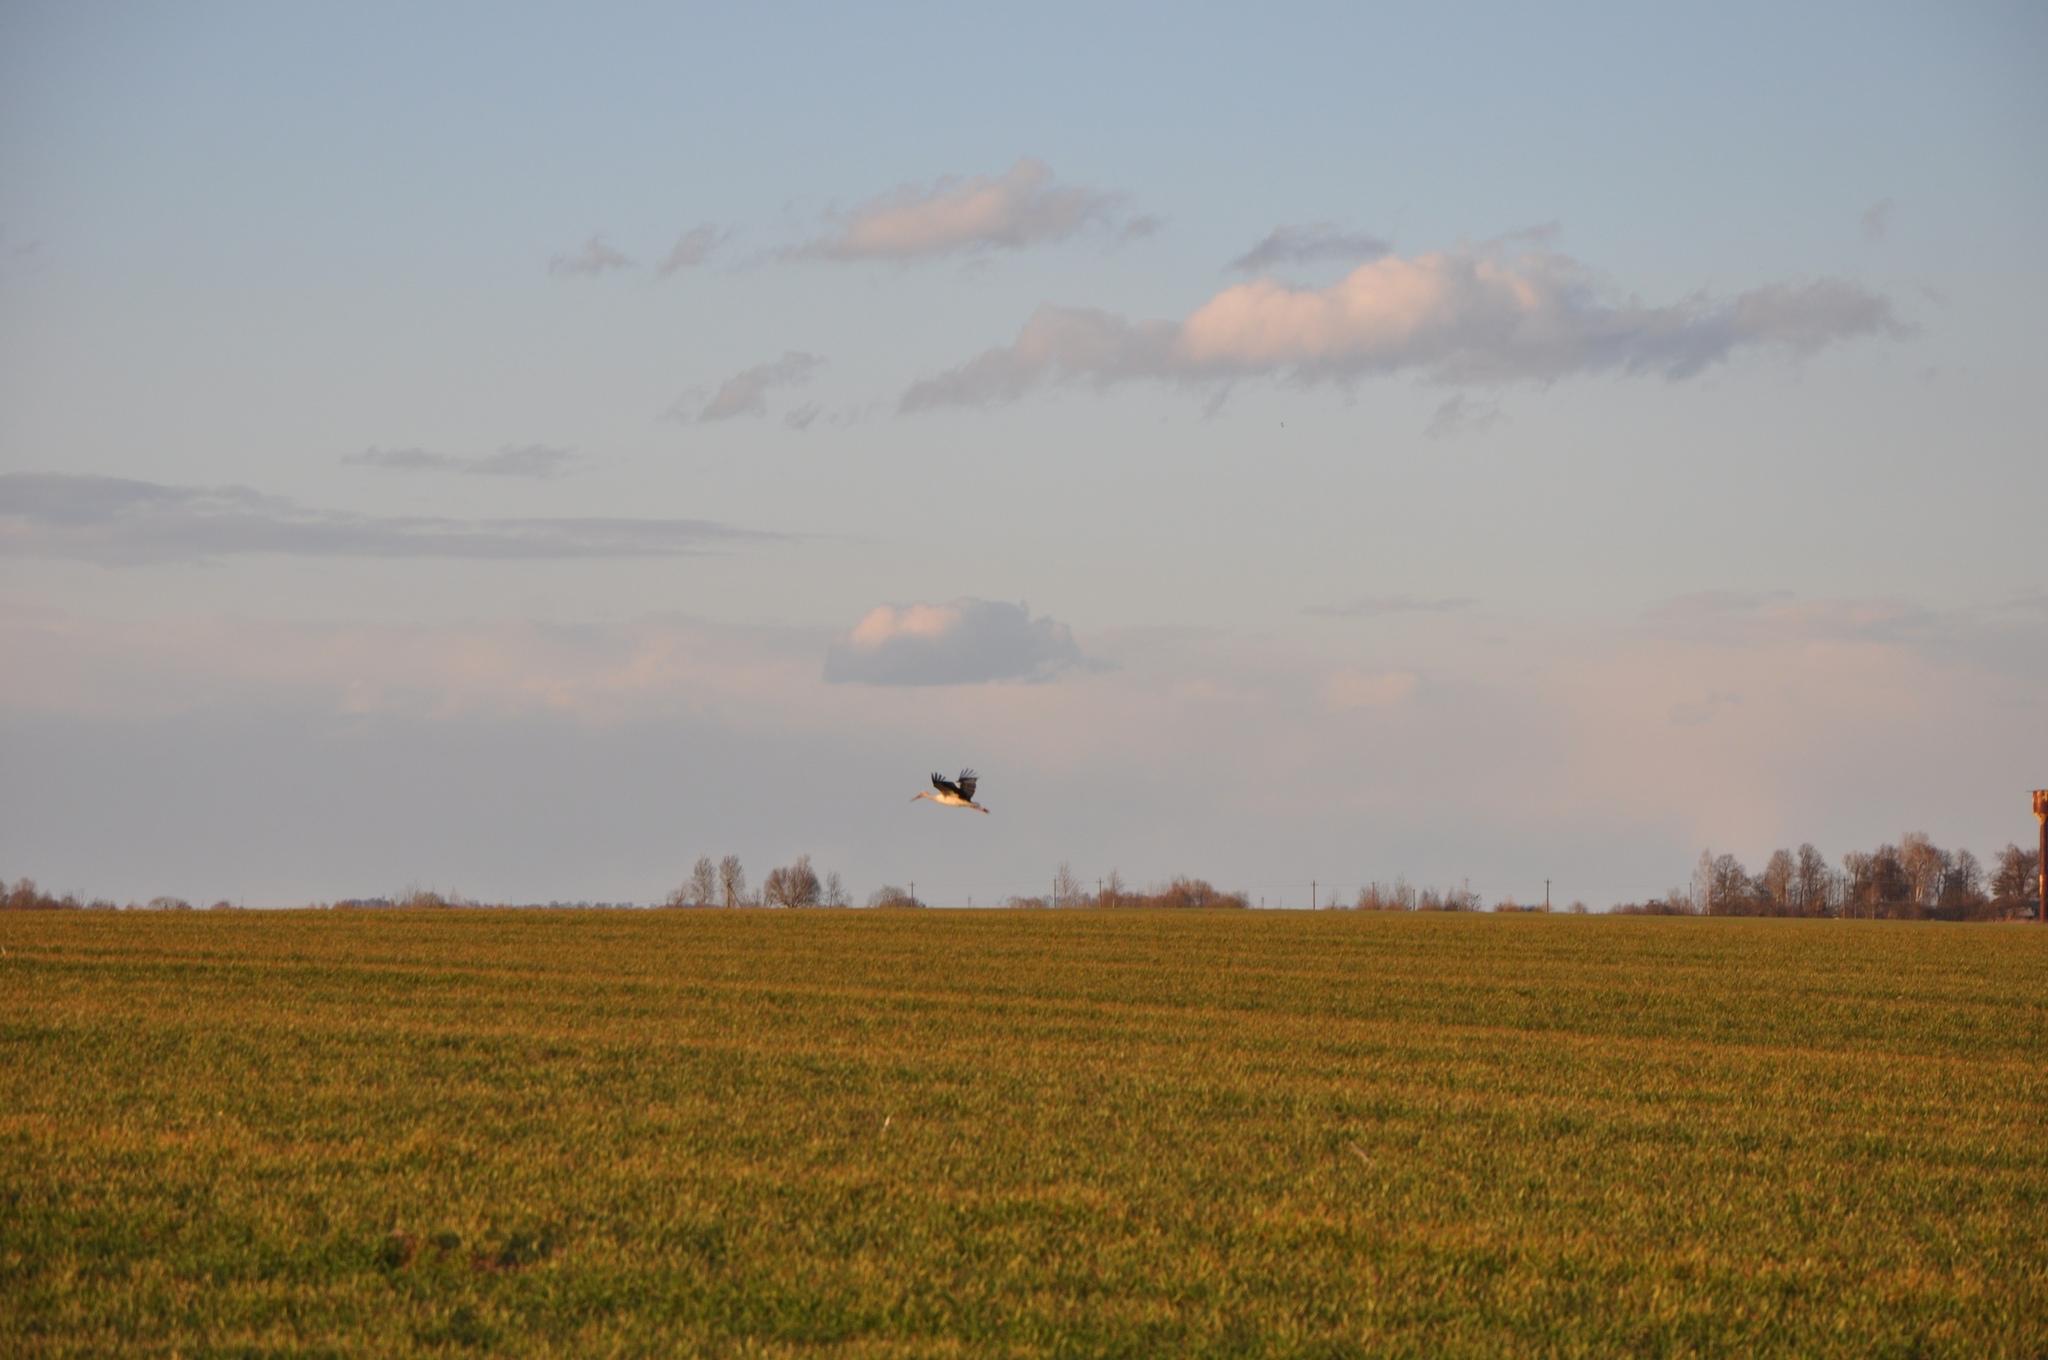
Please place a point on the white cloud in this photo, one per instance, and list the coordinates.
(117, 521)
(746, 394)
(1463, 316)
(529, 460)
(1311, 244)
(1018, 208)
(692, 249)
(595, 258)
(963, 642)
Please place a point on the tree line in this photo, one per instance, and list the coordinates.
(1914, 879)
(724, 884)
(24, 895)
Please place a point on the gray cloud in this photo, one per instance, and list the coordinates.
(963, 642)
(1463, 316)
(1018, 208)
(746, 394)
(530, 460)
(1309, 244)
(1461, 412)
(1878, 220)
(595, 258)
(692, 250)
(117, 521)
(1780, 615)
(1378, 606)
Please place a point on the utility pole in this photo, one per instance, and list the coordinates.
(913, 892)
(1546, 894)
(2041, 880)
(1311, 894)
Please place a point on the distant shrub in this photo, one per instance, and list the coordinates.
(1179, 894)
(415, 899)
(25, 896)
(1400, 895)
(1674, 905)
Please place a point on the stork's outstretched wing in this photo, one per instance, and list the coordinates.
(967, 783)
(945, 785)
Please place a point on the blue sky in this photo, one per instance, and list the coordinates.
(516, 450)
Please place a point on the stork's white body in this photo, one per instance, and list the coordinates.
(954, 792)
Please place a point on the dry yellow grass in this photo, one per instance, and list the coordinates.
(941, 1133)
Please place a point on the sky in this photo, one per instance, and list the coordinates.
(514, 450)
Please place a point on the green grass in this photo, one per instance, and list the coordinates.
(929, 1133)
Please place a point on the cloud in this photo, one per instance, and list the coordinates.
(1309, 244)
(1469, 315)
(1010, 211)
(1461, 412)
(530, 460)
(746, 394)
(1878, 220)
(1779, 618)
(595, 258)
(116, 521)
(964, 642)
(692, 249)
(1378, 606)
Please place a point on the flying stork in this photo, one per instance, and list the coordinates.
(954, 792)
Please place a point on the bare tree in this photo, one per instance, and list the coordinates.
(703, 885)
(700, 889)
(1814, 882)
(792, 886)
(1112, 890)
(1877, 881)
(1396, 896)
(732, 881)
(1729, 890)
(1066, 889)
(1924, 865)
(2018, 876)
(1778, 882)
(1962, 887)
(835, 891)
(1857, 876)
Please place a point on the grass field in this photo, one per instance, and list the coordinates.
(937, 1133)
